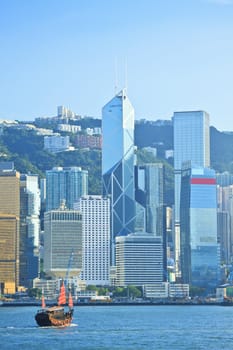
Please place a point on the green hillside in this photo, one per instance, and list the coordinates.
(25, 149)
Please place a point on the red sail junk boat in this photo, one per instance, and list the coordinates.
(56, 316)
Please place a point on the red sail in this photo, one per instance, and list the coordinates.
(43, 305)
(71, 304)
(62, 296)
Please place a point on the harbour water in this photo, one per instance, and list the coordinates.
(122, 327)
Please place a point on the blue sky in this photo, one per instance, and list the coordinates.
(178, 54)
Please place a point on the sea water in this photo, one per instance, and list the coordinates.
(122, 327)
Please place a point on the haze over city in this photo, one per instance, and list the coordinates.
(172, 55)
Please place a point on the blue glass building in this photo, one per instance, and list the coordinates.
(191, 143)
(200, 254)
(150, 194)
(67, 185)
(118, 164)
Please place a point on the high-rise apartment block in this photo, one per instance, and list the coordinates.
(65, 184)
(96, 239)
(56, 143)
(118, 164)
(9, 227)
(88, 141)
(65, 113)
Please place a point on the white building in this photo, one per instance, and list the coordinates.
(50, 288)
(166, 290)
(96, 239)
(63, 240)
(63, 112)
(56, 143)
(169, 153)
(139, 259)
(69, 128)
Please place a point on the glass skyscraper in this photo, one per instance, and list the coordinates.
(150, 193)
(29, 228)
(191, 143)
(200, 254)
(118, 164)
(65, 185)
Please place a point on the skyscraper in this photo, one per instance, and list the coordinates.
(65, 184)
(118, 164)
(139, 259)
(96, 239)
(150, 194)
(225, 221)
(62, 240)
(200, 255)
(191, 143)
(29, 228)
(9, 227)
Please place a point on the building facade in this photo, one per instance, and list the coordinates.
(65, 184)
(96, 240)
(62, 241)
(200, 255)
(9, 227)
(225, 220)
(118, 165)
(139, 259)
(191, 143)
(29, 229)
(88, 141)
(150, 194)
(56, 143)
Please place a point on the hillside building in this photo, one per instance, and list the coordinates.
(56, 143)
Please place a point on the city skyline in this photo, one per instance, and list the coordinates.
(77, 54)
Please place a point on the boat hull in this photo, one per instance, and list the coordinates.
(47, 318)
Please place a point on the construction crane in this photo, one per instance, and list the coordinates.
(68, 269)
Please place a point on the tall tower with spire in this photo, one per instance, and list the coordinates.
(118, 164)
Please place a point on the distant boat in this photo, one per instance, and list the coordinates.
(56, 316)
